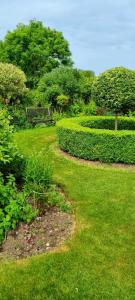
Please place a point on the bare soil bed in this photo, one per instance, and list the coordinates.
(44, 234)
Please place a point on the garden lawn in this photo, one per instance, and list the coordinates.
(98, 261)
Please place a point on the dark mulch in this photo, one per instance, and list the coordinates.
(44, 234)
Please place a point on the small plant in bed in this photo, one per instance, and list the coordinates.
(14, 207)
(39, 182)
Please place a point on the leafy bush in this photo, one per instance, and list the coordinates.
(115, 90)
(76, 108)
(18, 118)
(98, 144)
(90, 109)
(13, 206)
(72, 83)
(11, 162)
(12, 83)
(62, 101)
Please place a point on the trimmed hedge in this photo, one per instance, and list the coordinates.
(91, 143)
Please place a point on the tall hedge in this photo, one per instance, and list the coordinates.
(91, 143)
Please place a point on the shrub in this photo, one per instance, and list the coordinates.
(115, 90)
(72, 83)
(18, 118)
(13, 206)
(11, 161)
(12, 83)
(98, 144)
(76, 108)
(90, 109)
(62, 102)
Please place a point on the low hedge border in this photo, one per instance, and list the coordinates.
(91, 143)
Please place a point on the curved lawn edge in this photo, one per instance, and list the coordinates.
(94, 144)
(90, 163)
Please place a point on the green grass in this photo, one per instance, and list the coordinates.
(99, 260)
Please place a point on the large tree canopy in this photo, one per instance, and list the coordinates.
(35, 49)
(115, 90)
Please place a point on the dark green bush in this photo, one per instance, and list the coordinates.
(19, 118)
(98, 144)
(11, 162)
(13, 206)
(108, 123)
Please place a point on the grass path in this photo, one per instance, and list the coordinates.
(99, 260)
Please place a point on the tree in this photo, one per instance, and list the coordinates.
(115, 90)
(65, 78)
(35, 49)
(86, 81)
(12, 83)
(73, 83)
(50, 96)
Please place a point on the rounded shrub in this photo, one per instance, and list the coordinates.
(114, 89)
(94, 138)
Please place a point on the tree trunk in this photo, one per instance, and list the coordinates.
(116, 122)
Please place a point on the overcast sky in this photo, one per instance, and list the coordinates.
(101, 33)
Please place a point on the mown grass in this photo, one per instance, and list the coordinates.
(99, 259)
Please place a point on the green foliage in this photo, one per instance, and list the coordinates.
(13, 206)
(62, 81)
(35, 49)
(39, 183)
(18, 117)
(34, 98)
(55, 198)
(115, 90)
(38, 175)
(97, 144)
(90, 109)
(62, 102)
(50, 95)
(73, 83)
(76, 108)
(10, 159)
(12, 84)
(86, 81)
(108, 123)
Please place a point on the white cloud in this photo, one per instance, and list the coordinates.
(100, 32)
